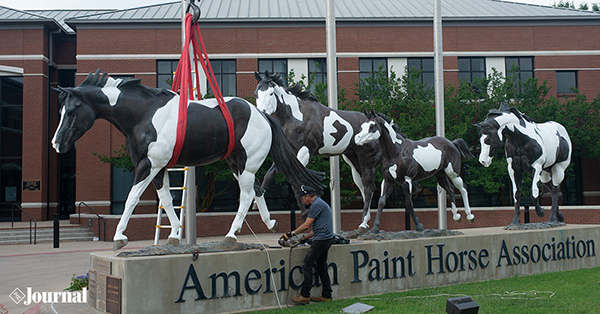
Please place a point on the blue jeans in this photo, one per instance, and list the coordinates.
(317, 259)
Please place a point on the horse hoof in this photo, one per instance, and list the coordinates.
(275, 227)
(457, 217)
(471, 218)
(560, 216)
(119, 244)
(229, 241)
(173, 241)
(374, 230)
(420, 227)
(540, 211)
(362, 230)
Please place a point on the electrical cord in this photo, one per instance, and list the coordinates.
(270, 265)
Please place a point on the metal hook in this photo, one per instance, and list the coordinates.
(195, 10)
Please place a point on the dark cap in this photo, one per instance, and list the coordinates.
(304, 190)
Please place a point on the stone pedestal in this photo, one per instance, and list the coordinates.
(236, 281)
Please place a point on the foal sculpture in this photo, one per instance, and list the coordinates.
(542, 149)
(313, 129)
(148, 119)
(405, 162)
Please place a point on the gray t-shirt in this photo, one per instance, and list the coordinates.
(323, 225)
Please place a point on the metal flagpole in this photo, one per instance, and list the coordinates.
(334, 162)
(438, 60)
(190, 201)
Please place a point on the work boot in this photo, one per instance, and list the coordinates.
(300, 300)
(319, 299)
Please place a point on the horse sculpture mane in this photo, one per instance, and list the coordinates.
(505, 109)
(296, 90)
(97, 80)
(388, 120)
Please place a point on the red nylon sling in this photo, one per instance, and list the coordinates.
(183, 82)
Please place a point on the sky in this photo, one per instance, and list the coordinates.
(123, 4)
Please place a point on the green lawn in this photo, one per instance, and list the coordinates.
(575, 291)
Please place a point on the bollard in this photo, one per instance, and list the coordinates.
(56, 231)
(293, 219)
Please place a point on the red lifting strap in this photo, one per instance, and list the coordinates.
(183, 82)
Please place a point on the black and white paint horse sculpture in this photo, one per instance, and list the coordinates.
(148, 119)
(314, 129)
(406, 162)
(544, 150)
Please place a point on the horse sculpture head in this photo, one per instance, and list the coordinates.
(266, 100)
(77, 113)
(372, 129)
(491, 132)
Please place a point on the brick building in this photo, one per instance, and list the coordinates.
(46, 48)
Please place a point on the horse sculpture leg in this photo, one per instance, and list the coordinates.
(558, 175)
(263, 208)
(444, 182)
(246, 183)
(516, 177)
(535, 190)
(143, 176)
(407, 188)
(358, 180)
(459, 184)
(166, 199)
(387, 188)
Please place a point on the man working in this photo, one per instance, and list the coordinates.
(320, 220)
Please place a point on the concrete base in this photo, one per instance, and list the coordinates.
(237, 281)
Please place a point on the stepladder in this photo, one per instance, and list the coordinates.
(173, 190)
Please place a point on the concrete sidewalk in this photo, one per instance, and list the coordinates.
(46, 269)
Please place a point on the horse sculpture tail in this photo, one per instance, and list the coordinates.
(463, 149)
(286, 161)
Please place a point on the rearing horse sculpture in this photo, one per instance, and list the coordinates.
(405, 162)
(148, 119)
(313, 129)
(543, 149)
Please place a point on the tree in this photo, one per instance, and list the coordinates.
(565, 4)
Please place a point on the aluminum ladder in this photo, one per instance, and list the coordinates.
(181, 207)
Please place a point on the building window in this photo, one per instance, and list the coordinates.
(566, 82)
(520, 69)
(121, 183)
(164, 71)
(11, 143)
(369, 68)
(423, 66)
(317, 72)
(274, 65)
(224, 71)
(471, 69)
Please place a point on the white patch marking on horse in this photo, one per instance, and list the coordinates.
(484, 156)
(303, 155)
(428, 157)
(511, 174)
(257, 147)
(291, 101)
(261, 101)
(393, 135)
(329, 140)
(409, 181)
(111, 90)
(356, 177)
(164, 122)
(62, 117)
(363, 137)
(210, 102)
(392, 171)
